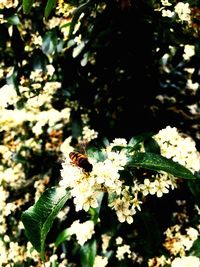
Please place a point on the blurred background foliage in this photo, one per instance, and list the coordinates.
(120, 67)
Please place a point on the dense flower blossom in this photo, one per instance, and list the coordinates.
(183, 11)
(8, 96)
(178, 243)
(100, 261)
(87, 188)
(83, 231)
(178, 147)
(123, 251)
(186, 261)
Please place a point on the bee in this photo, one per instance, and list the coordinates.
(81, 160)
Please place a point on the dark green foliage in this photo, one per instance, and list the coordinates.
(88, 253)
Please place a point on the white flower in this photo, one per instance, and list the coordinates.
(119, 240)
(50, 69)
(89, 134)
(70, 175)
(118, 142)
(186, 261)
(122, 250)
(65, 147)
(83, 231)
(192, 86)
(192, 233)
(8, 95)
(189, 51)
(161, 187)
(148, 187)
(178, 147)
(183, 11)
(123, 210)
(105, 242)
(167, 13)
(119, 159)
(100, 261)
(165, 3)
(106, 173)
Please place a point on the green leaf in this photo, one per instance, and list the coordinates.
(49, 6)
(13, 20)
(136, 140)
(195, 249)
(94, 212)
(49, 42)
(63, 236)
(38, 219)
(117, 148)
(27, 5)
(150, 145)
(95, 153)
(88, 253)
(157, 162)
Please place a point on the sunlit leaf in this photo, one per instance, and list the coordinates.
(136, 140)
(49, 6)
(13, 20)
(196, 248)
(39, 218)
(157, 162)
(49, 42)
(88, 253)
(63, 236)
(27, 5)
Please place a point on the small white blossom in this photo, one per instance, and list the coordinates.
(105, 242)
(122, 250)
(89, 134)
(83, 231)
(119, 240)
(100, 261)
(178, 147)
(192, 233)
(186, 261)
(167, 13)
(161, 187)
(189, 51)
(183, 11)
(8, 96)
(165, 3)
(147, 187)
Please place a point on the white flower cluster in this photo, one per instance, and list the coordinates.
(182, 10)
(186, 261)
(89, 134)
(8, 96)
(100, 261)
(122, 250)
(178, 147)
(87, 188)
(8, 4)
(178, 243)
(83, 231)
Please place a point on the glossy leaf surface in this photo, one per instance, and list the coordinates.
(157, 162)
(38, 218)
